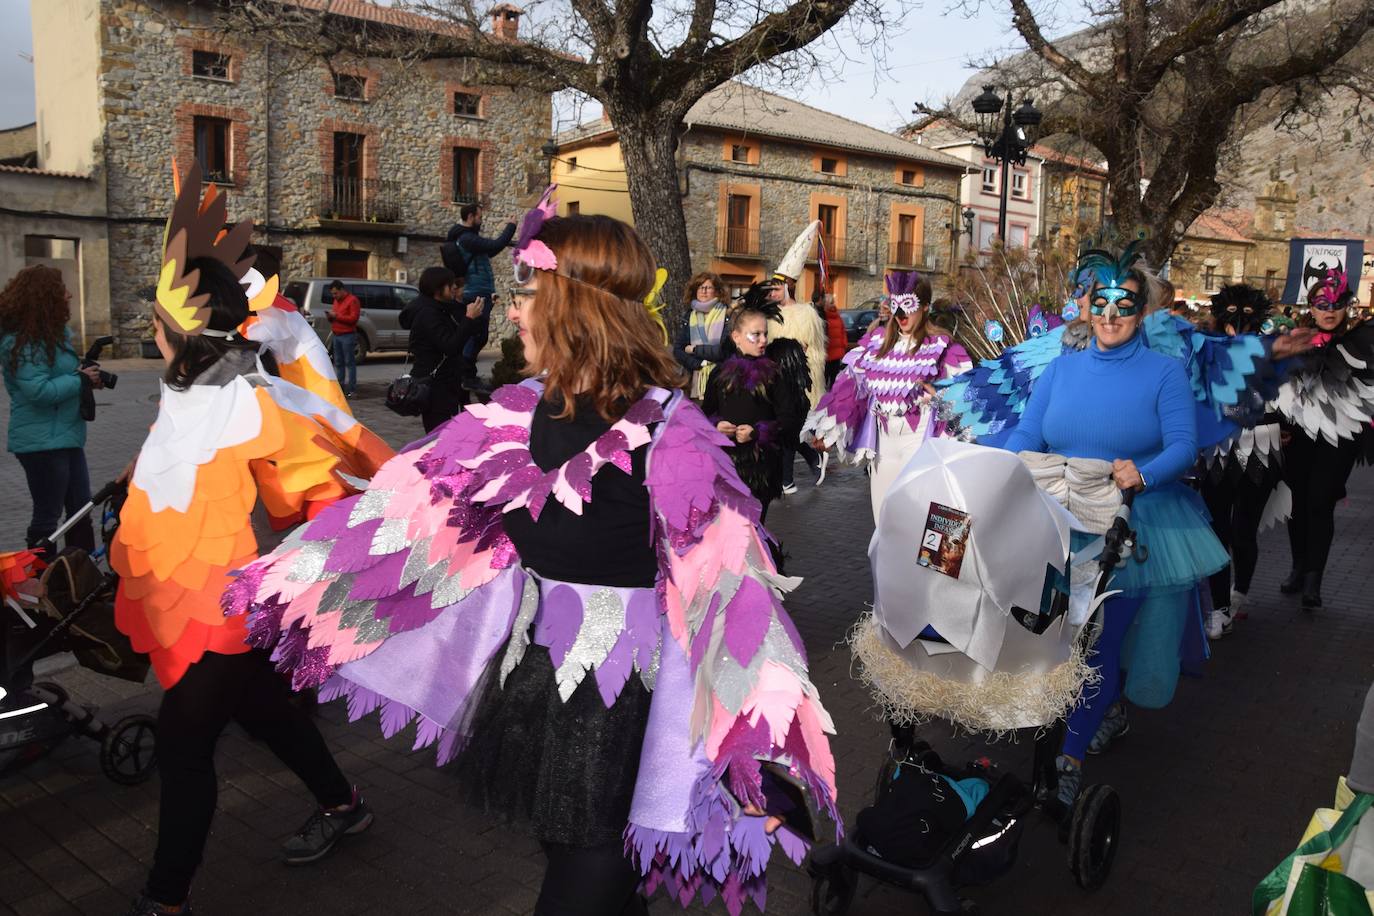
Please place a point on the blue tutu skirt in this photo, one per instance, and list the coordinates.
(1181, 551)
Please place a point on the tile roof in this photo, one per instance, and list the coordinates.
(25, 170)
(1223, 225)
(383, 15)
(1049, 154)
(743, 109)
(734, 106)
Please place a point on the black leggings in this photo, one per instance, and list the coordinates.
(1236, 504)
(1316, 473)
(589, 881)
(215, 690)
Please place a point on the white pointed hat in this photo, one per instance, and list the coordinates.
(790, 267)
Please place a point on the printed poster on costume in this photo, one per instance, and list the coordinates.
(944, 540)
(1310, 259)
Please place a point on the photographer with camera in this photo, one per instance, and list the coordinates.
(45, 379)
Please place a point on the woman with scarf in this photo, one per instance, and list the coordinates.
(1326, 406)
(698, 344)
(569, 587)
(880, 408)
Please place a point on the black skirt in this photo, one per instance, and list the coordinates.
(566, 769)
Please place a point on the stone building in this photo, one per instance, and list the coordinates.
(1227, 245)
(355, 168)
(755, 168)
(1074, 205)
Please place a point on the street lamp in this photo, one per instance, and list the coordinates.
(969, 216)
(1006, 138)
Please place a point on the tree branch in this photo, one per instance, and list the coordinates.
(1024, 20)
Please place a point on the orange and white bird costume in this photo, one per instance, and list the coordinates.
(234, 436)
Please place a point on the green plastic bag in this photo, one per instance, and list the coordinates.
(1325, 893)
(1317, 889)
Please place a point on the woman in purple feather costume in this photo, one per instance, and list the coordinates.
(880, 408)
(753, 402)
(568, 591)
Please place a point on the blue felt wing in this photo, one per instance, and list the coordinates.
(986, 402)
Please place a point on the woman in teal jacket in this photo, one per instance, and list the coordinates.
(43, 378)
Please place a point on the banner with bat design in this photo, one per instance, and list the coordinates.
(1310, 259)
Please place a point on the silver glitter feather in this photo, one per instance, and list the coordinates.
(309, 565)
(371, 504)
(520, 629)
(391, 537)
(336, 595)
(356, 614)
(417, 563)
(603, 619)
(432, 577)
(449, 591)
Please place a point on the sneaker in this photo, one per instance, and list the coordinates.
(323, 829)
(1238, 605)
(147, 906)
(1070, 780)
(1114, 726)
(788, 489)
(1220, 621)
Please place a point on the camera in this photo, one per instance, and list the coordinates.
(107, 379)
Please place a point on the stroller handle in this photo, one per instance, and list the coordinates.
(101, 496)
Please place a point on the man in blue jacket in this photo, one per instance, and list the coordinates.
(479, 282)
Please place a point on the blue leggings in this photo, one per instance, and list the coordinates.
(1117, 617)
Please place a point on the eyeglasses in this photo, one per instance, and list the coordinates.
(519, 293)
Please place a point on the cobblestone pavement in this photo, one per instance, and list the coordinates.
(1216, 788)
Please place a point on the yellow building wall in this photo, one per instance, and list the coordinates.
(66, 70)
(592, 178)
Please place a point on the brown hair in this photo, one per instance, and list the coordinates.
(594, 334)
(918, 331)
(33, 307)
(690, 292)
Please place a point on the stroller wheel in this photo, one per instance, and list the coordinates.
(128, 753)
(1093, 835)
(58, 692)
(832, 890)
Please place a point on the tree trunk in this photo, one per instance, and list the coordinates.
(649, 146)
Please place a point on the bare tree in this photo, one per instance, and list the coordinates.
(646, 61)
(1164, 89)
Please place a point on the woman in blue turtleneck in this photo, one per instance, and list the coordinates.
(1119, 401)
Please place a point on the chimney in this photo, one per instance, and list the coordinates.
(505, 21)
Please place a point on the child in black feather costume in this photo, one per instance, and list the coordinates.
(757, 395)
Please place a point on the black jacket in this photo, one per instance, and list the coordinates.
(707, 353)
(438, 331)
(477, 253)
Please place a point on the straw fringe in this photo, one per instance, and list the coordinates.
(909, 696)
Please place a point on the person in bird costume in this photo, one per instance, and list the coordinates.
(228, 435)
(568, 590)
(800, 322)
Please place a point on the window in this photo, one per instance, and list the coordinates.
(1209, 278)
(830, 166)
(574, 208)
(572, 163)
(1280, 221)
(347, 180)
(348, 155)
(212, 148)
(467, 104)
(464, 175)
(739, 153)
(908, 176)
(1019, 184)
(829, 215)
(737, 224)
(906, 240)
(350, 86)
(989, 179)
(210, 65)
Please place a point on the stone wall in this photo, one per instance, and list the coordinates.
(788, 184)
(1229, 261)
(284, 113)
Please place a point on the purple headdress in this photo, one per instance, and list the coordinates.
(530, 253)
(1326, 293)
(901, 292)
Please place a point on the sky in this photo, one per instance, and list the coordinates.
(927, 62)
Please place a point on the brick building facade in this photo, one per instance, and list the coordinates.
(358, 167)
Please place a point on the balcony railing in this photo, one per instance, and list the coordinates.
(908, 255)
(368, 200)
(738, 242)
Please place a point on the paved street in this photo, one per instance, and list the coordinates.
(1216, 789)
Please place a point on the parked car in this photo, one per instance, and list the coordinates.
(379, 326)
(856, 321)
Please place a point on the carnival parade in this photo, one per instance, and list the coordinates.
(810, 556)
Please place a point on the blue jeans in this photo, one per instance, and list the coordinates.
(58, 482)
(346, 358)
(1117, 616)
(478, 340)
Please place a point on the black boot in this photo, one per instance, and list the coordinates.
(1293, 584)
(1311, 591)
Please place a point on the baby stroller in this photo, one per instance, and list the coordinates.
(69, 607)
(918, 834)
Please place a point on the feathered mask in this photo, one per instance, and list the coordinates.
(1241, 306)
(530, 254)
(1326, 295)
(195, 229)
(1110, 297)
(901, 292)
